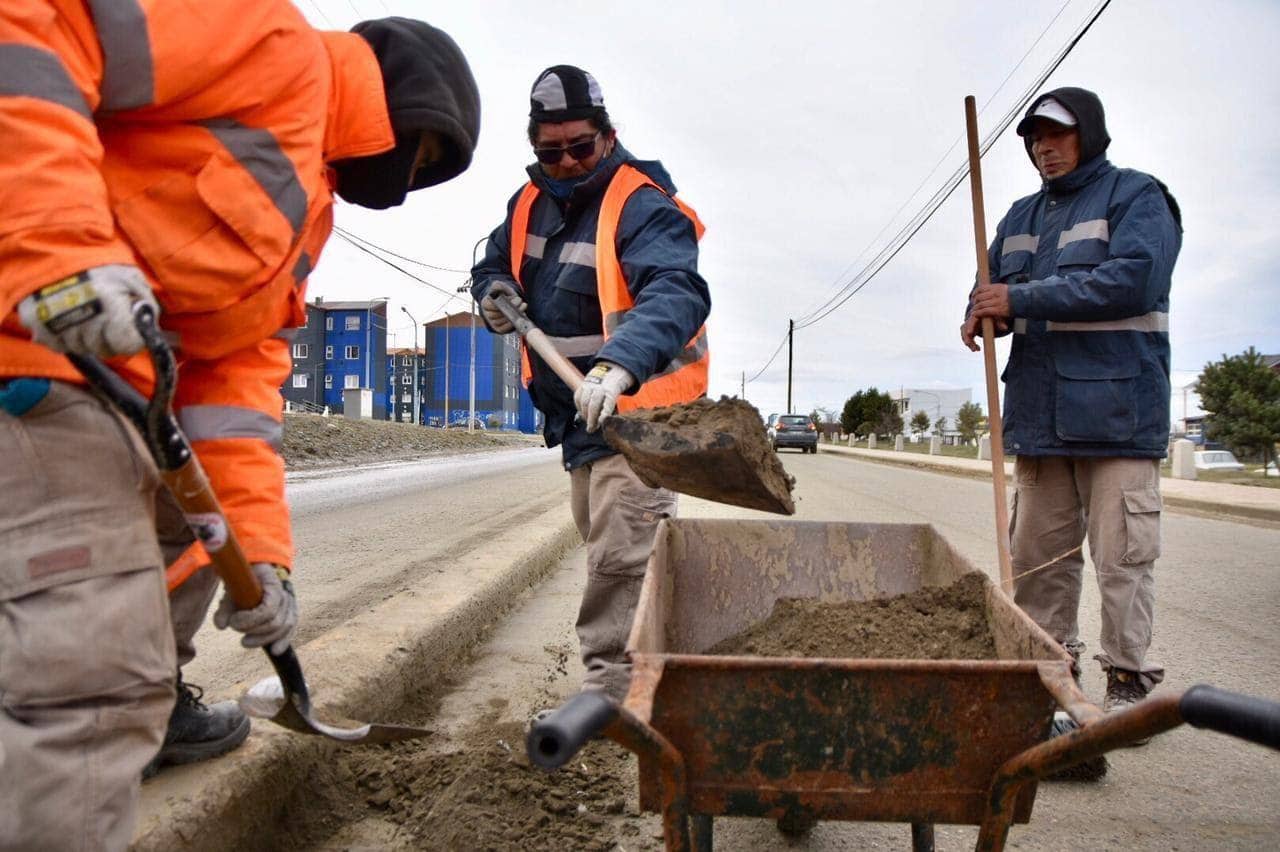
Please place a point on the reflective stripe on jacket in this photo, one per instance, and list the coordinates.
(685, 376)
(191, 141)
(1089, 261)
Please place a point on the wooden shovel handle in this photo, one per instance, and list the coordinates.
(989, 351)
(538, 342)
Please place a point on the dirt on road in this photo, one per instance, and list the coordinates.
(934, 623)
(312, 441)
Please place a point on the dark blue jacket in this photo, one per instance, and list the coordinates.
(658, 250)
(1089, 260)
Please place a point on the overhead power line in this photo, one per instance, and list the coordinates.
(918, 221)
(760, 372)
(394, 266)
(385, 250)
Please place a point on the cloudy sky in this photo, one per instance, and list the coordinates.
(800, 132)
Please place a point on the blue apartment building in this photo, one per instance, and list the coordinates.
(343, 345)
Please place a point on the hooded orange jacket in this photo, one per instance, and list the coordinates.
(189, 139)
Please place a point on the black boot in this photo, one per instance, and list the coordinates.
(197, 732)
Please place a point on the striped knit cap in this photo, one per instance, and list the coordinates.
(564, 93)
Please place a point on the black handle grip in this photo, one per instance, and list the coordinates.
(556, 738)
(1254, 719)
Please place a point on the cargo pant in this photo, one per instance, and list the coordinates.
(188, 603)
(617, 515)
(1116, 503)
(86, 649)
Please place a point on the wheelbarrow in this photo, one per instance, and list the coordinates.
(799, 740)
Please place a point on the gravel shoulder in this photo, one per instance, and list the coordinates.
(312, 442)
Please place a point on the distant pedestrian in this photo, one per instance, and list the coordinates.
(1081, 274)
(605, 260)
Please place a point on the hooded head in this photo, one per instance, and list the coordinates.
(1074, 107)
(429, 89)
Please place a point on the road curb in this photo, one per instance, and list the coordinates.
(1189, 504)
(234, 802)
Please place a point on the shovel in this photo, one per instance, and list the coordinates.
(714, 450)
(285, 702)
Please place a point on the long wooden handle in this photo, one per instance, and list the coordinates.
(538, 342)
(989, 350)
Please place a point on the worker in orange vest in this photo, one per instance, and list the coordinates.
(188, 163)
(604, 259)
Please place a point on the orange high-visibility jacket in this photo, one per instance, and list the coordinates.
(189, 139)
(685, 378)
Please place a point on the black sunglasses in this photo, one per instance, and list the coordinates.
(578, 151)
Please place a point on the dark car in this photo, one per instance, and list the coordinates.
(794, 430)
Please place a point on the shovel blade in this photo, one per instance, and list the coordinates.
(267, 699)
(714, 450)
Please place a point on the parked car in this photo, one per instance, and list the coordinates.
(794, 430)
(1217, 460)
(461, 423)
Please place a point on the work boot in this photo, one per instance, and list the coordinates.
(1093, 769)
(1124, 689)
(198, 732)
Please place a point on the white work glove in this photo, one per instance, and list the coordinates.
(597, 396)
(492, 314)
(90, 313)
(271, 622)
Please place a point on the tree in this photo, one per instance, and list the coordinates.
(851, 415)
(969, 421)
(890, 423)
(920, 423)
(867, 409)
(940, 426)
(1241, 397)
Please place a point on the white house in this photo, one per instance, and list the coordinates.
(935, 402)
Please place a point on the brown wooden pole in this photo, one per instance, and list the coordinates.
(989, 351)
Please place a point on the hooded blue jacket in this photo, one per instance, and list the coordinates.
(1089, 259)
(658, 251)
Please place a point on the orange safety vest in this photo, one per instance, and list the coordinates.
(197, 153)
(685, 378)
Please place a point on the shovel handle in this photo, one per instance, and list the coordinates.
(538, 342)
(554, 740)
(1254, 719)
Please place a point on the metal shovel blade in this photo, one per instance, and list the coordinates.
(714, 450)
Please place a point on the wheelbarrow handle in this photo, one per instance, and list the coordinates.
(553, 740)
(1254, 719)
(539, 342)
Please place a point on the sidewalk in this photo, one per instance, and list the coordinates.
(1219, 498)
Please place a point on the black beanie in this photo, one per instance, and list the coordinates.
(428, 86)
(1091, 121)
(564, 93)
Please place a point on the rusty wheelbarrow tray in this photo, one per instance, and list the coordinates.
(798, 740)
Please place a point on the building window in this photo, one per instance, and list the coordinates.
(406, 379)
(353, 323)
(328, 381)
(406, 360)
(351, 381)
(299, 380)
(328, 353)
(301, 350)
(351, 353)
(406, 397)
(328, 323)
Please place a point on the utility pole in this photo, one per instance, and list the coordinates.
(791, 345)
(415, 363)
(446, 367)
(471, 413)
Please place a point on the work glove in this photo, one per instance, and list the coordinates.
(89, 313)
(496, 319)
(597, 396)
(272, 621)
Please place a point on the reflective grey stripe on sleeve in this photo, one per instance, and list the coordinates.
(580, 346)
(691, 355)
(212, 422)
(583, 254)
(1019, 325)
(259, 154)
(1019, 242)
(534, 246)
(1156, 321)
(286, 334)
(128, 78)
(30, 72)
(301, 269)
(1094, 229)
(613, 321)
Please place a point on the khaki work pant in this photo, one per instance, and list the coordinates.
(189, 603)
(86, 649)
(617, 515)
(1116, 503)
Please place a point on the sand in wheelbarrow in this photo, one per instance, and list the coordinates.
(717, 450)
(934, 623)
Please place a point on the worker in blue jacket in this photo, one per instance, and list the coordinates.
(1080, 275)
(603, 259)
